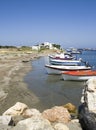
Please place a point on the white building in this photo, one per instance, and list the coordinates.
(48, 45)
(36, 47)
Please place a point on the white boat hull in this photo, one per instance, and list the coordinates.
(53, 71)
(64, 62)
(57, 69)
(76, 78)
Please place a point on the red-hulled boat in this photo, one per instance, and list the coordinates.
(79, 75)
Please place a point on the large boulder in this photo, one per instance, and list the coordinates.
(91, 84)
(34, 123)
(17, 109)
(57, 114)
(87, 109)
(89, 95)
(87, 119)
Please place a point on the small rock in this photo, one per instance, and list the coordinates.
(6, 120)
(31, 112)
(74, 126)
(70, 107)
(60, 126)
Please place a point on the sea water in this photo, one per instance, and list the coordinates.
(52, 90)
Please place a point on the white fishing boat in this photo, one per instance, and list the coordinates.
(79, 75)
(64, 62)
(73, 50)
(61, 56)
(57, 69)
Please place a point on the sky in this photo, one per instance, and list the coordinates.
(70, 23)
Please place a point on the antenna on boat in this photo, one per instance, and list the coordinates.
(85, 62)
(80, 59)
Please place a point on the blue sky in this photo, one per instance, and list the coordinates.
(70, 23)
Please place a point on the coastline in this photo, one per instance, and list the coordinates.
(12, 86)
(15, 92)
(13, 68)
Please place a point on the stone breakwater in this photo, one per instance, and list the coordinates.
(87, 109)
(21, 117)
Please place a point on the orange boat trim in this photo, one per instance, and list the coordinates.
(81, 73)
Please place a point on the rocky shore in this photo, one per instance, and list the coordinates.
(17, 101)
(21, 117)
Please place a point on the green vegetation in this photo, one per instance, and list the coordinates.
(25, 48)
(22, 48)
(56, 45)
(7, 47)
(28, 48)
